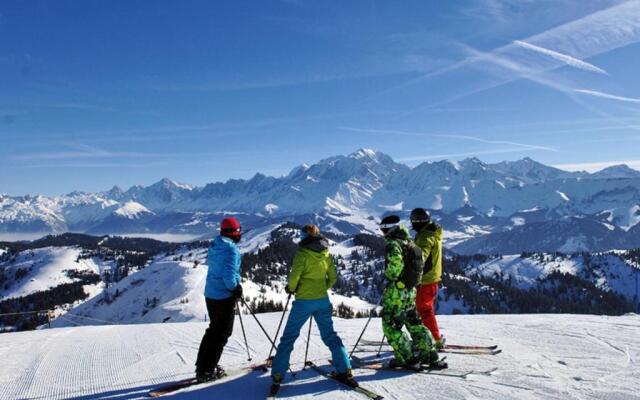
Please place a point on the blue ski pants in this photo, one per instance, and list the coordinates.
(301, 311)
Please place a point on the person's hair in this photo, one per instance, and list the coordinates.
(312, 230)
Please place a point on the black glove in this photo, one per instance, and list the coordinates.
(289, 291)
(236, 293)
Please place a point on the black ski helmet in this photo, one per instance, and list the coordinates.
(389, 222)
(420, 216)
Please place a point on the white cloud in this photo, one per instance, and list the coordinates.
(459, 155)
(597, 33)
(608, 96)
(451, 136)
(597, 166)
(572, 61)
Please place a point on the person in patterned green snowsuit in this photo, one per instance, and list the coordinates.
(399, 304)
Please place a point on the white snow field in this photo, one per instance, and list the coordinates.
(544, 357)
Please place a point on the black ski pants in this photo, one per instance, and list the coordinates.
(221, 316)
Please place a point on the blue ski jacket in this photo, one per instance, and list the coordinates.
(224, 268)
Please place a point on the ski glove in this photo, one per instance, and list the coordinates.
(236, 293)
(289, 291)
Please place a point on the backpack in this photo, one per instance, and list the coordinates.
(413, 265)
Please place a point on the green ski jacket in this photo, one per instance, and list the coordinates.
(313, 271)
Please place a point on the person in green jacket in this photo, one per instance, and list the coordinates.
(429, 239)
(312, 274)
(398, 306)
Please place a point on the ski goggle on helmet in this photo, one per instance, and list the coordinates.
(389, 222)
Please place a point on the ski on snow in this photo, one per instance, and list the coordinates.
(380, 365)
(446, 345)
(185, 383)
(477, 352)
(359, 389)
(448, 348)
(470, 347)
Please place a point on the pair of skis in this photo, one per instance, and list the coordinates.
(330, 375)
(185, 383)
(449, 348)
(380, 365)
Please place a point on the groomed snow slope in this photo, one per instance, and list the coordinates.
(544, 356)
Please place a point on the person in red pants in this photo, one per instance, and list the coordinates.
(429, 239)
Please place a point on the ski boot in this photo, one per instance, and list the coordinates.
(275, 385)
(219, 372)
(439, 344)
(433, 361)
(203, 376)
(347, 378)
(411, 364)
(440, 364)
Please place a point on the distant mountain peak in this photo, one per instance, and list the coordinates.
(617, 171)
(171, 184)
(365, 153)
(115, 191)
(132, 210)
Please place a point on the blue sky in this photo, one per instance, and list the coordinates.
(97, 93)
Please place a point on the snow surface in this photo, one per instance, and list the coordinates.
(544, 356)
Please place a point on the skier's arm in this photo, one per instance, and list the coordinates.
(231, 269)
(394, 262)
(426, 243)
(331, 273)
(296, 271)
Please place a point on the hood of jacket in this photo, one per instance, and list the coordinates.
(315, 243)
(432, 229)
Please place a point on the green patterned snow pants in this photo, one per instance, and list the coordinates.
(399, 310)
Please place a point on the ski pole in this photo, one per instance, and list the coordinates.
(273, 346)
(244, 334)
(306, 351)
(380, 348)
(263, 330)
(365, 327)
(258, 321)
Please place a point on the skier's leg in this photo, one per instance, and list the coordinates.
(223, 318)
(330, 338)
(425, 304)
(300, 312)
(203, 362)
(421, 337)
(392, 322)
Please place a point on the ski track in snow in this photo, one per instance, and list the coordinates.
(544, 356)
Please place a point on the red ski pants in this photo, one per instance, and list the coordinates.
(425, 305)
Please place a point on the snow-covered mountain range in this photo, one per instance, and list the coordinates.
(481, 206)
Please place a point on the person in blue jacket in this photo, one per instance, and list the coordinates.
(221, 292)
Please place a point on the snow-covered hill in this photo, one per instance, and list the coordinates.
(124, 280)
(348, 194)
(41, 269)
(544, 356)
